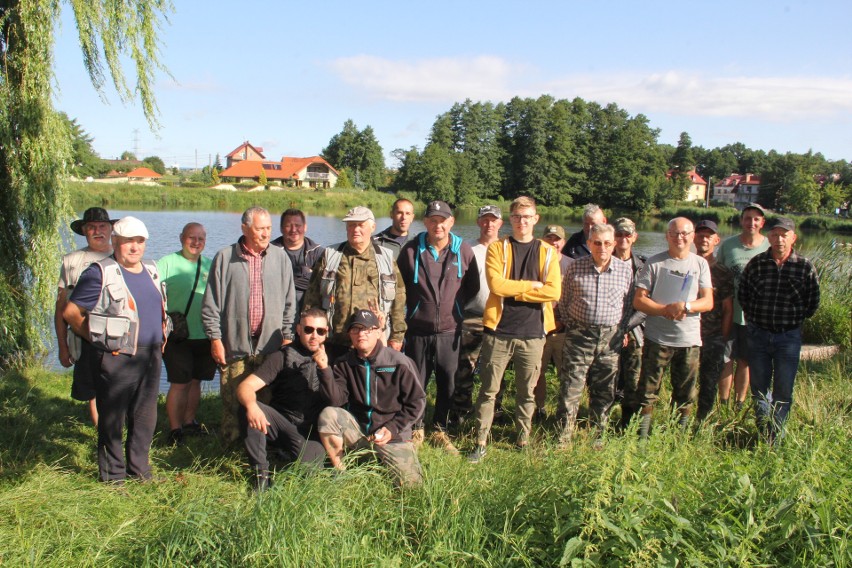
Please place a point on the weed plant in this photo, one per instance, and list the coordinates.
(712, 496)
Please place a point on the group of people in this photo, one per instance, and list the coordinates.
(327, 349)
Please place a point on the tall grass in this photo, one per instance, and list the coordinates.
(713, 497)
(832, 323)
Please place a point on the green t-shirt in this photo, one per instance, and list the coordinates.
(178, 274)
(735, 255)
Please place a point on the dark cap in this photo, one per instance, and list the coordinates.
(756, 206)
(624, 225)
(490, 210)
(707, 224)
(363, 317)
(439, 208)
(783, 223)
(557, 230)
(92, 215)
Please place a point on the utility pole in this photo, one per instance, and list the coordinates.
(136, 142)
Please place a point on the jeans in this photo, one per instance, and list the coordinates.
(773, 359)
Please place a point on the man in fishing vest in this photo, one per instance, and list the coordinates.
(441, 277)
(119, 305)
(96, 226)
(358, 274)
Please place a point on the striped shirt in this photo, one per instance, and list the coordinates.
(255, 270)
(592, 297)
(779, 298)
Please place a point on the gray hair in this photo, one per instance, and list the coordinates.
(674, 221)
(249, 214)
(601, 229)
(591, 210)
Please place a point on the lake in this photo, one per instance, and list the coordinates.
(223, 229)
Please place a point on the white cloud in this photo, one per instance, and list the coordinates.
(447, 80)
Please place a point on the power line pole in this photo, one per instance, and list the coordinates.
(136, 142)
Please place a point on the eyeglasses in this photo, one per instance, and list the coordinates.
(321, 331)
(526, 218)
(681, 234)
(360, 330)
(603, 243)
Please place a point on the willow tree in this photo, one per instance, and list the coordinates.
(35, 143)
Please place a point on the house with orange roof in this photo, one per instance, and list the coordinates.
(247, 162)
(697, 189)
(737, 190)
(143, 174)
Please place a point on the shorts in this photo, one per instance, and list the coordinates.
(739, 341)
(83, 382)
(188, 360)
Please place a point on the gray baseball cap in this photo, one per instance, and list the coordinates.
(359, 214)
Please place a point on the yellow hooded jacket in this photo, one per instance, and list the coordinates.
(498, 268)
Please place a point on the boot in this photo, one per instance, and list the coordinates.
(627, 414)
(261, 481)
(645, 426)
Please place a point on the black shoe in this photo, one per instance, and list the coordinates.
(194, 428)
(540, 416)
(261, 480)
(176, 437)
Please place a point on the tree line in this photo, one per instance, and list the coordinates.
(568, 153)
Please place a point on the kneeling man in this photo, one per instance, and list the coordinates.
(382, 393)
(289, 420)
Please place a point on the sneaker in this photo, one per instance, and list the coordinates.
(417, 437)
(440, 439)
(175, 437)
(477, 455)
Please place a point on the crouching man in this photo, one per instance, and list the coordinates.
(383, 395)
(289, 420)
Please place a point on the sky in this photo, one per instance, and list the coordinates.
(286, 75)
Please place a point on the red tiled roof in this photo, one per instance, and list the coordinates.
(693, 176)
(243, 145)
(283, 170)
(143, 173)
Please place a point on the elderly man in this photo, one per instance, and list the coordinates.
(394, 237)
(303, 251)
(289, 421)
(96, 226)
(249, 309)
(735, 253)
(524, 281)
(630, 358)
(382, 397)
(715, 324)
(673, 288)
(595, 294)
(355, 274)
(778, 290)
(440, 275)
(489, 220)
(188, 362)
(576, 247)
(554, 235)
(119, 306)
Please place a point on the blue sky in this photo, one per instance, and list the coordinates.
(285, 75)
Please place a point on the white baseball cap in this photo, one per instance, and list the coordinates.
(130, 227)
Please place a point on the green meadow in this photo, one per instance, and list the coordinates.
(714, 496)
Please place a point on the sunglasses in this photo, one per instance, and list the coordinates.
(321, 331)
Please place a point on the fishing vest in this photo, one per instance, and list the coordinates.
(114, 321)
(387, 280)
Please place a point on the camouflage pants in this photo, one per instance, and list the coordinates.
(712, 360)
(590, 355)
(400, 457)
(471, 345)
(683, 362)
(629, 369)
(231, 375)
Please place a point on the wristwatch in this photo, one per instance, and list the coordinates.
(687, 308)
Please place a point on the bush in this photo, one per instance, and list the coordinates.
(832, 323)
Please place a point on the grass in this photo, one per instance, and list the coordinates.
(716, 497)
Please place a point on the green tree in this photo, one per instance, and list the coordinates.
(344, 180)
(128, 156)
(85, 161)
(358, 151)
(35, 143)
(155, 163)
(261, 179)
(214, 175)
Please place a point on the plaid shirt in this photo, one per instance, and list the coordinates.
(255, 268)
(779, 298)
(596, 298)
